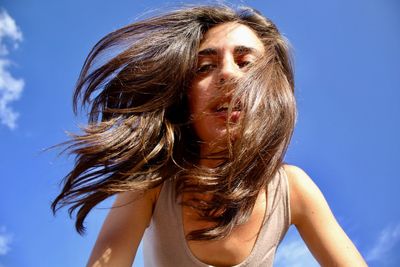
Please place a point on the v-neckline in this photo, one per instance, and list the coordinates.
(260, 235)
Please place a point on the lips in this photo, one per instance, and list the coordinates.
(222, 111)
(223, 107)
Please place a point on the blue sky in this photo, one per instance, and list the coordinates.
(347, 62)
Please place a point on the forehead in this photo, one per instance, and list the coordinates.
(227, 36)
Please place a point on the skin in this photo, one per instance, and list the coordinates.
(124, 226)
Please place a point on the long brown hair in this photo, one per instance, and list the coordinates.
(135, 81)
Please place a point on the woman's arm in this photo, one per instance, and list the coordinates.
(316, 224)
(123, 229)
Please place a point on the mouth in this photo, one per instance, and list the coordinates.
(223, 107)
(222, 111)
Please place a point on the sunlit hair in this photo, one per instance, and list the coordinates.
(135, 82)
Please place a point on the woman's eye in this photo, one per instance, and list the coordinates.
(243, 64)
(205, 68)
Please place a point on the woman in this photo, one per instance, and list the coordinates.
(189, 123)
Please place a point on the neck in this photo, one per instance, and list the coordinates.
(206, 151)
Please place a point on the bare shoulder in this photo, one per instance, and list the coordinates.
(123, 228)
(130, 198)
(296, 175)
(299, 180)
(316, 223)
(304, 193)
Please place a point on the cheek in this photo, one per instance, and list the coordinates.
(199, 96)
(206, 124)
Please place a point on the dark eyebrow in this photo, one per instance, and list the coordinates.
(208, 52)
(240, 50)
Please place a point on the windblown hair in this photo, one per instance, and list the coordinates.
(135, 82)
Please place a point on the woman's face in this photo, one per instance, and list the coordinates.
(225, 51)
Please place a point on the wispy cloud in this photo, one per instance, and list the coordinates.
(5, 241)
(10, 87)
(294, 253)
(385, 248)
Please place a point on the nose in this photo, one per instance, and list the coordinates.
(228, 69)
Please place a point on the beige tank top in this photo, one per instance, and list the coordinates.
(164, 244)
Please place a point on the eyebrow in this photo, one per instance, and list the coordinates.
(241, 49)
(244, 50)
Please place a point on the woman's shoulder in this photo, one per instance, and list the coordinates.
(293, 171)
(133, 199)
(298, 179)
(304, 193)
(313, 218)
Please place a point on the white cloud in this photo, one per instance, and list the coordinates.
(294, 253)
(8, 29)
(10, 87)
(385, 245)
(5, 241)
